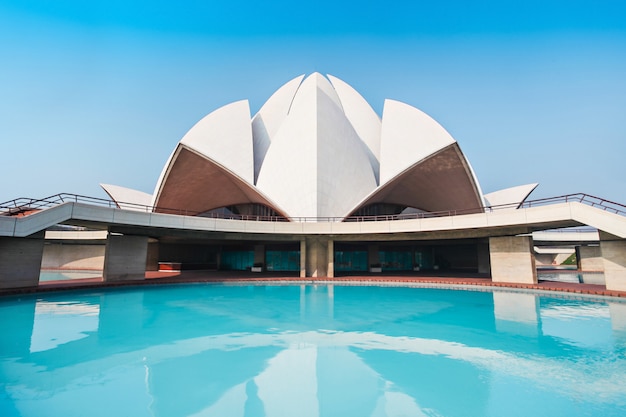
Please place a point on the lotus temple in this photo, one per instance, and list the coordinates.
(315, 184)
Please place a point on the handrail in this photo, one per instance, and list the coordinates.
(565, 230)
(23, 204)
(597, 202)
(26, 205)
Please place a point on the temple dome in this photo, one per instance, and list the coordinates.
(317, 150)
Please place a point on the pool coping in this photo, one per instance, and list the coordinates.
(472, 283)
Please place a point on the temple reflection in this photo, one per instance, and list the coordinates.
(80, 319)
(617, 312)
(516, 313)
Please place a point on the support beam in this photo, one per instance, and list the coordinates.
(512, 259)
(613, 250)
(20, 260)
(125, 257)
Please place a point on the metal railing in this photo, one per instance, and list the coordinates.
(24, 206)
(29, 205)
(577, 229)
(597, 202)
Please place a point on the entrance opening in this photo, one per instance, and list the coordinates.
(282, 257)
(404, 257)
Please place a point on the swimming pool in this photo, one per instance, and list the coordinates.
(290, 350)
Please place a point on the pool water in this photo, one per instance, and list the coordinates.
(299, 351)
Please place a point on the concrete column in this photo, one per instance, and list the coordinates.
(482, 252)
(613, 249)
(303, 258)
(317, 260)
(125, 257)
(330, 270)
(512, 259)
(589, 258)
(152, 261)
(20, 260)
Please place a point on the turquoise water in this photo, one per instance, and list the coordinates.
(298, 351)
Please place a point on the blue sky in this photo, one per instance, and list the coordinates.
(102, 91)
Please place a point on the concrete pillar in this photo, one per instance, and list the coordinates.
(330, 271)
(303, 258)
(20, 260)
(152, 260)
(317, 263)
(589, 258)
(125, 257)
(482, 251)
(613, 251)
(512, 259)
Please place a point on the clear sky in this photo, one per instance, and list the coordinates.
(102, 90)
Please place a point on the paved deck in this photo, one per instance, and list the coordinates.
(176, 277)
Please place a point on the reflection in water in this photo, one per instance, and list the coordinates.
(516, 313)
(288, 385)
(398, 404)
(253, 406)
(64, 275)
(617, 311)
(216, 350)
(596, 278)
(79, 319)
(578, 324)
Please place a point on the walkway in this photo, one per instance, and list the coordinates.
(488, 224)
(160, 278)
